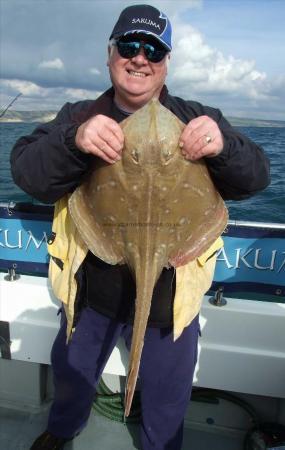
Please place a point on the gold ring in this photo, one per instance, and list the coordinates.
(208, 139)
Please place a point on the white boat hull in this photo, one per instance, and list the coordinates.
(241, 349)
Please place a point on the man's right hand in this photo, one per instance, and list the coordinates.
(101, 136)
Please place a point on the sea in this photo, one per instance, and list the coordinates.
(267, 206)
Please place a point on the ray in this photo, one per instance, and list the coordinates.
(150, 210)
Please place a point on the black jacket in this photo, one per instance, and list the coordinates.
(47, 165)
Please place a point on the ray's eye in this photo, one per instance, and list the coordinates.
(135, 155)
(166, 153)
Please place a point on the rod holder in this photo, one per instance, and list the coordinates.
(218, 299)
(12, 275)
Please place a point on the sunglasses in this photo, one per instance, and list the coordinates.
(130, 49)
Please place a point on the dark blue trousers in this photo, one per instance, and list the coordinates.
(166, 374)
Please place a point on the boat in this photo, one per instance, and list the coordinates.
(241, 362)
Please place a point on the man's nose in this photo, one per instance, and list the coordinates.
(140, 58)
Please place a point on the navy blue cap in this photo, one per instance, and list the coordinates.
(144, 19)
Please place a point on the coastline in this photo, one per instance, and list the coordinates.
(46, 116)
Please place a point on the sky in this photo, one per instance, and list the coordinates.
(228, 54)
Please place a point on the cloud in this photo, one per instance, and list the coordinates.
(206, 70)
(174, 8)
(52, 64)
(94, 71)
(24, 87)
(70, 63)
(35, 97)
(81, 94)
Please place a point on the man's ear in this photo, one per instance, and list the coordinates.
(167, 61)
(109, 55)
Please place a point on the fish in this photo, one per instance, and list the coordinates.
(152, 209)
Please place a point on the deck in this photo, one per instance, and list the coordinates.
(19, 429)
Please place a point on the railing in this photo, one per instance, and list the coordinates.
(252, 259)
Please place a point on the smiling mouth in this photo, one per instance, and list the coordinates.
(133, 73)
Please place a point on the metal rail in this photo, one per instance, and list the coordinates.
(244, 223)
(240, 223)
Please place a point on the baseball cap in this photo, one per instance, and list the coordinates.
(144, 19)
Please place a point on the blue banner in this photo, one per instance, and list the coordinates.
(253, 257)
(23, 239)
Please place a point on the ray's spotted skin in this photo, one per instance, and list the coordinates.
(151, 209)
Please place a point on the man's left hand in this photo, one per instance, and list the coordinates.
(201, 138)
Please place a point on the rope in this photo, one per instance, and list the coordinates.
(111, 405)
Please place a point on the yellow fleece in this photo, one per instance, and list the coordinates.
(192, 280)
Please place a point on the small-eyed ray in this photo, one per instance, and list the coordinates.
(150, 210)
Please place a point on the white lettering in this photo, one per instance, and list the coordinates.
(18, 244)
(271, 266)
(18, 237)
(146, 21)
(256, 264)
(34, 240)
(242, 258)
(224, 258)
(1, 244)
(282, 265)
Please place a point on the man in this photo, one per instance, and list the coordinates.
(53, 161)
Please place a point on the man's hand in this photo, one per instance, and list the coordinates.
(201, 138)
(101, 136)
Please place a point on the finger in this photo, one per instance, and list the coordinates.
(200, 137)
(185, 135)
(196, 126)
(203, 141)
(103, 156)
(106, 149)
(111, 140)
(208, 150)
(116, 130)
(194, 131)
(211, 149)
(193, 138)
(198, 121)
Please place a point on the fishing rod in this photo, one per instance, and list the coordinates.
(10, 104)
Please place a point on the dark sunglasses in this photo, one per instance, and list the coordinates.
(130, 49)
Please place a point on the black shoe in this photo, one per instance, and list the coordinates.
(48, 441)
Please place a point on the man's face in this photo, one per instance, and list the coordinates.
(136, 80)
